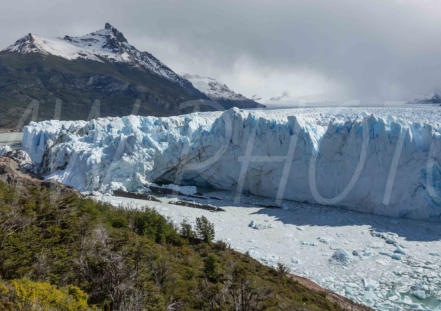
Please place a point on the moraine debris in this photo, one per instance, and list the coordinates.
(269, 206)
(132, 195)
(207, 207)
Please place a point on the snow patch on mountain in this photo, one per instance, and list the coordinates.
(377, 160)
(105, 45)
(213, 88)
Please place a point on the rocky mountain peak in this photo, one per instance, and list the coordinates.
(115, 32)
(105, 45)
(25, 44)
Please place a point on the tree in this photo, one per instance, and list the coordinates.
(211, 267)
(282, 270)
(205, 229)
(187, 231)
(243, 292)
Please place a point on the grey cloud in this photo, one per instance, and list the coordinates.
(387, 49)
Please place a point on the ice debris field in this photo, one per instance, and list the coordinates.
(386, 263)
(381, 161)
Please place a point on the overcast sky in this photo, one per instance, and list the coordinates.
(372, 50)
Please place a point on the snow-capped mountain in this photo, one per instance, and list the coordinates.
(213, 88)
(285, 96)
(107, 44)
(434, 98)
(216, 90)
(284, 99)
(80, 70)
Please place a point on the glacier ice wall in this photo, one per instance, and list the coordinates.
(364, 160)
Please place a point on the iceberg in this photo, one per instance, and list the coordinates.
(385, 161)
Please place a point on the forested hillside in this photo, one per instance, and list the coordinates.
(85, 255)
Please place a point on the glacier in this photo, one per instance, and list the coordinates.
(380, 160)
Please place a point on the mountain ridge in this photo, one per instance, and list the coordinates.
(79, 71)
(108, 44)
(220, 92)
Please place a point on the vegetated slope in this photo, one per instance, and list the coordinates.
(128, 260)
(78, 71)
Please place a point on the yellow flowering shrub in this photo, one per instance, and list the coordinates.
(24, 295)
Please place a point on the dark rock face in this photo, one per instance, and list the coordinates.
(21, 158)
(12, 173)
(78, 84)
(435, 99)
(26, 42)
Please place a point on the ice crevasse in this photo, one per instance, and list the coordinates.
(360, 159)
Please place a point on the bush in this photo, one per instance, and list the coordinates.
(282, 270)
(153, 225)
(23, 294)
(221, 246)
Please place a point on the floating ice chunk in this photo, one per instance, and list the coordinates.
(419, 291)
(259, 226)
(324, 240)
(377, 244)
(295, 261)
(349, 291)
(390, 241)
(254, 253)
(395, 257)
(367, 253)
(370, 297)
(399, 250)
(393, 297)
(341, 256)
(382, 261)
(370, 284)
